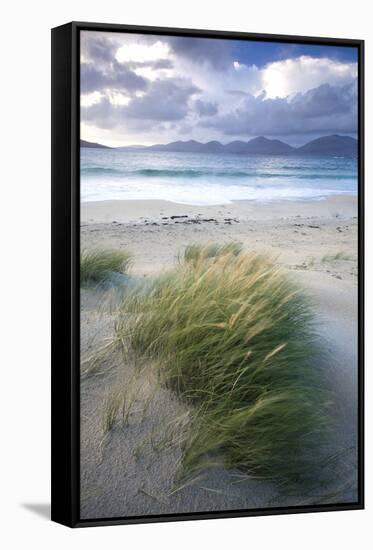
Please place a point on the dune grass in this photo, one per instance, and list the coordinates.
(97, 264)
(194, 252)
(233, 337)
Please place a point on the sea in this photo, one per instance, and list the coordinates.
(203, 179)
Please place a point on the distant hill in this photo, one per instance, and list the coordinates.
(214, 147)
(260, 145)
(330, 145)
(91, 145)
(190, 146)
(236, 147)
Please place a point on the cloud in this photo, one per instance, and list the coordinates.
(165, 100)
(136, 86)
(326, 101)
(290, 76)
(239, 93)
(114, 77)
(100, 71)
(323, 109)
(100, 49)
(155, 64)
(205, 108)
(135, 51)
(210, 51)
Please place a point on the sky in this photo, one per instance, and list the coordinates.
(146, 89)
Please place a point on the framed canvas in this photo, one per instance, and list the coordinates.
(207, 275)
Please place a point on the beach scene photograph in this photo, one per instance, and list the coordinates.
(218, 274)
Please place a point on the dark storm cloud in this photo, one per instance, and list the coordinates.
(205, 108)
(323, 109)
(165, 100)
(115, 77)
(217, 53)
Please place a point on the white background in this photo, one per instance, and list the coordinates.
(25, 286)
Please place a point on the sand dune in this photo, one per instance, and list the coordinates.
(314, 241)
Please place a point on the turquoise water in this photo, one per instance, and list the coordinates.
(199, 178)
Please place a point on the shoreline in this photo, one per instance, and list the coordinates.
(250, 201)
(107, 210)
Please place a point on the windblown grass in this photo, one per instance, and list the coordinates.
(96, 265)
(233, 337)
(195, 252)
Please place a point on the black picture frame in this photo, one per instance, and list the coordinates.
(65, 272)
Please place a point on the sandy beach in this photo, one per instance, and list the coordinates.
(295, 232)
(316, 242)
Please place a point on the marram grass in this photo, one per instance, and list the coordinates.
(97, 264)
(195, 252)
(234, 338)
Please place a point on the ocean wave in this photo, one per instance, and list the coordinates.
(99, 170)
(164, 173)
(218, 194)
(195, 173)
(301, 167)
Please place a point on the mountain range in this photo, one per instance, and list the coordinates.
(327, 145)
